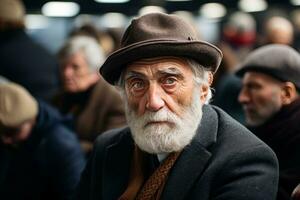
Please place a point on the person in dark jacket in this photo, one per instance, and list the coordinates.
(176, 146)
(270, 98)
(39, 158)
(21, 59)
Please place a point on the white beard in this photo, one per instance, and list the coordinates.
(165, 137)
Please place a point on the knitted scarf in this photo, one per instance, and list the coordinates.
(140, 189)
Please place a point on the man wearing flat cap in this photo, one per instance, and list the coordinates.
(175, 145)
(270, 98)
(39, 158)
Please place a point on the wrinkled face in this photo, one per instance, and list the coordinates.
(75, 73)
(260, 97)
(15, 136)
(163, 103)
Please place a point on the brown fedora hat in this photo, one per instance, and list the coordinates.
(155, 35)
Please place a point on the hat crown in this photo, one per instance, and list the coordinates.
(158, 26)
(16, 105)
(277, 60)
(158, 35)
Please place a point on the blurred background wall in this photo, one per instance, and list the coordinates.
(50, 22)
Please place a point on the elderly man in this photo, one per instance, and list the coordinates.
(175, 146)
(39, 158)
(270, 98)
(96, 105)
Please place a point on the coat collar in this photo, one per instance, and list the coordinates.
(192, 160)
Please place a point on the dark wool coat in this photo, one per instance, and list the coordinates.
(282, 134)
(46, 166)
(25, 62)
(224, 161)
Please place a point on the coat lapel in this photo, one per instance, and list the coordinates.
(193, 159)
(117, 167)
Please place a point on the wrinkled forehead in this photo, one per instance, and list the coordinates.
(159, 64)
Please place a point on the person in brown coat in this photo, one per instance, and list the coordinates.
(95, 105)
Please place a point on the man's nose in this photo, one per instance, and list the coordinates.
(243, 96)
(67, 71)
(155, 99)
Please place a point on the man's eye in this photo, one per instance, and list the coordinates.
(137, 85)
(169, 81)
(253, 87)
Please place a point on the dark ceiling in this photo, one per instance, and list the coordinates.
(131, 8)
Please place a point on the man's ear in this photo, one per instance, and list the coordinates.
(289, 93)
(204, 92)
(205, 88)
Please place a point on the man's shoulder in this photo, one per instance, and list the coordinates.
(55, 135)
(235, 140)
(59, 139)
(59, 132)
(233, 132)
(227, 122)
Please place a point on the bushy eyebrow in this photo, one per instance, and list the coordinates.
(133, 74)
(161, 72)
(170, 71)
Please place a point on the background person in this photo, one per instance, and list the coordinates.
(39, 158)
(270, 98)
(95, 104)
(21, 59)
(104, 38)
(279, 30)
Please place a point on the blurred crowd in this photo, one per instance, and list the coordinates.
(53, 107)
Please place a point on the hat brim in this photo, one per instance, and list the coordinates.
(204, 53)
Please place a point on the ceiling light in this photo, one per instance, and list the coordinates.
(213, 10)
(112, 1)
(151, 9)
(252, 5)
(60, 9)
(295, 2)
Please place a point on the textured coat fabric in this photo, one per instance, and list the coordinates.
(224, 161)
(47, 166)
(25, 62)
(282, 134)
(97, 110)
